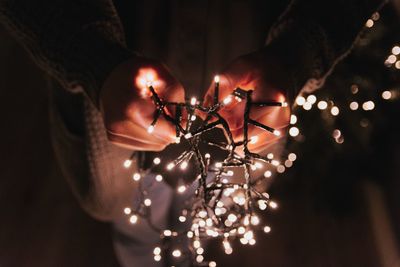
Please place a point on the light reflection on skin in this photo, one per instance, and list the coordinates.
(146, 77)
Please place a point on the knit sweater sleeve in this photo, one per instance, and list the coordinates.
(312, 36)
(78, 42)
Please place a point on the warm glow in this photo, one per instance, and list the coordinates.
(147, 77)
(387, 94)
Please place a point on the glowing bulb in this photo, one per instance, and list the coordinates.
(253, 139)
(270, 156)
(267, 174)
(275, 162)
(150, 129)
(307, 106)
(396, 50)
(273, 204)
(193, 117)
(147, 202)
(267, 229)
(369, 23)
(167, 233)
(184, 165)
(181, 189)
(277, 133)
(199, 258)
(182, 218)
(133, 219)
(136, 176)
(177, 139)
(249, 235)
(212, 264)
(159, 178)
(369, 105)
(292, 157)
(227, 100)
(293, 119)
(170, 166)
(353, 105)
(288, 163)
(127, 210)
(262, 204)
(387, 94)
(157, 257)
(255, 220)
(216, 78)
(294, 131)
(232, 217)
(312, 99)
(218, 165)
(322, 105)
(280, 169)
(157, 250)
(207, 156)
(127, 163)
(193, 101)
(188, 135)
(391, 59)
(156, 161)
(176, 253)
(335, 111)
(300, 100)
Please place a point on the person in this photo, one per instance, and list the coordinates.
(96, 99)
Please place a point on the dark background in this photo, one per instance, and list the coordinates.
(339, 204)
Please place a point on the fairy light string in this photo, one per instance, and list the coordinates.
(219, 208)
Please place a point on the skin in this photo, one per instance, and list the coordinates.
(258, 71)
(128, 108)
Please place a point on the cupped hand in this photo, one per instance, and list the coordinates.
(128, 108)
(261, 72)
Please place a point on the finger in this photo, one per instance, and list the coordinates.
(132, 144)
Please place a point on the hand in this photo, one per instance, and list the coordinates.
(259, 71)
(128, 108)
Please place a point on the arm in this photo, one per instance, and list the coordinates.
(78, 42)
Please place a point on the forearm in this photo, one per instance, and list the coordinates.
(76, 41)
(313, 36)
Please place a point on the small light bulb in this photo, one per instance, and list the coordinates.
(157, 250)
(267, 174)
(216, 78)
(150, 129)
(193, 101)
(267, 229)
(170, 166)
(273, 204)
(136, 176)
(133, 219)
(184, 165)
(127, 210)
(227, 100)
(277, 133)
(181, 189)
(193, 117)
(159, 178)
(127, 163)
(157, 161)
(147, 202)
(293, 119)
(167, 233)
(188, 135)
(253, 139)
(322, 105)
(176, 253)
